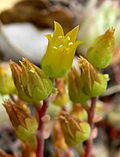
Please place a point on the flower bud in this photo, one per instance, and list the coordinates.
(24, 124)
(58, 58)
(74, 130)
(31, 82)
(93, 83)
(61, 97)
(16, 114)
(75, 87)
(100, 52)
(6, 82)
(78, 111)
(88, 76)
(88, 84)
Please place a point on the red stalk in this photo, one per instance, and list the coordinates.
(40, 139)
(91, 112)
(68, 152)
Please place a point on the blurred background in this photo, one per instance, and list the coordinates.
(23, 24)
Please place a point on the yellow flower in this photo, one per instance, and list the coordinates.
(60, 52)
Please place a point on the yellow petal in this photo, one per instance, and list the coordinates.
(58, 31)
(72, 34)
(48, 36)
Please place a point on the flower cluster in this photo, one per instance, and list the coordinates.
(58, 90)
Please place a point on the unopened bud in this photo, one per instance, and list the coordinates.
(93, 83)
(6, 82)
(24, 124)
(75, 87)
(31, 82)
(74, 130)
(100, 52)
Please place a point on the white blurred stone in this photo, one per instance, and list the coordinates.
(23, 40)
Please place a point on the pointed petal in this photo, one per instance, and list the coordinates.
(58, 31)
(72, 34)
(48, 36)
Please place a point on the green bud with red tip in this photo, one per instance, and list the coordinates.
(31, 82)
(75, 131)
(87, 84)
(93, 83)
(24, 124)
(100, 52)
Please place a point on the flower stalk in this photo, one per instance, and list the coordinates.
(40, 137)
(90, 112)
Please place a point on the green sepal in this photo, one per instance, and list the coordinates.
(75, 87)
(85, 133)
(100, 88)
(28, 134)
(78, 97)
(80, 136)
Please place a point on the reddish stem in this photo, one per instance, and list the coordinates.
(91, 112)
(40, 139)
(68, 153)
